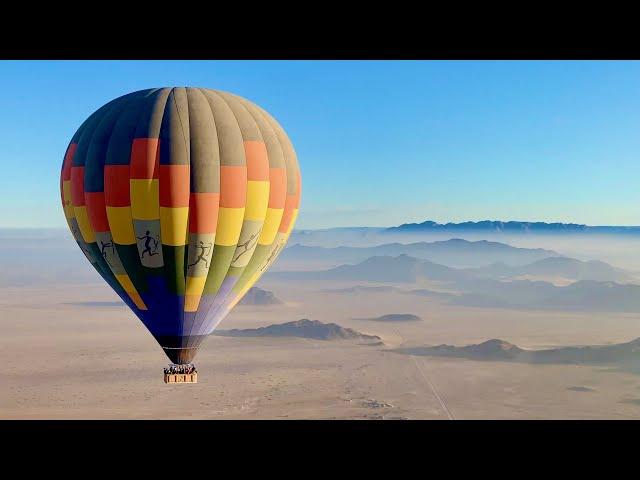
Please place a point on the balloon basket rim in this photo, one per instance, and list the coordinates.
(179, 378)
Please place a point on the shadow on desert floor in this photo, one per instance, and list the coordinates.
(96, 304)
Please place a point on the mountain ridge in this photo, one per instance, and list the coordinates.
(303, 328)
(405, 268)
(454, 252)
(568, 267)
(510, 226)
(501, 350)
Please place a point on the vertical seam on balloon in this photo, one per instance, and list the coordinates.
(84, 246)
(219, 308)
(240, 103)
(184, 139)
(274, 126)
(129, 269)
(220, 312)
(188, 234)
(83, 130)
(220, 95)
(117, 113)
(205, 316)
(159, 153)
(280, 134)
(185, 255)
(160, 142)
(153, 101)
(99, 262)
(196, 316)
(165, 272)
(200, 319)
(294, 161)
(272, 131)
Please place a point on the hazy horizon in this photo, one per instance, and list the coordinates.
(443, 222)
(512, 334)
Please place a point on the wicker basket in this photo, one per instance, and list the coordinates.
(180, 378)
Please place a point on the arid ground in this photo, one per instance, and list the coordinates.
(76, 352)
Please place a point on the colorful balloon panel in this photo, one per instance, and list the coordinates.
(181, 198)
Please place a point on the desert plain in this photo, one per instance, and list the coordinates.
(72, 350)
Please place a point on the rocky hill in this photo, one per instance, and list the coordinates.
(304, 328)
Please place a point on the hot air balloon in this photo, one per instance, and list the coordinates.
(181, 198)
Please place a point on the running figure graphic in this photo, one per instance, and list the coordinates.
(104, 252)
(107, 245)
(147, 244)
(268, 261)
(247, 246)
(204, 252)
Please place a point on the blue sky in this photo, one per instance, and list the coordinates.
(379, 143)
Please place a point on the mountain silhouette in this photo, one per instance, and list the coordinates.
(511, 227)
(485, 280)
(491, 226)
(496, 349)
(562, 267)
(257, 296)
(402, 268)
(304, 328)
(584, 295)
(454, 252)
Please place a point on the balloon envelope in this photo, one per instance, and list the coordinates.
(180, 198)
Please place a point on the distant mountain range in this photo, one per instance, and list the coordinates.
(501, 350)
(407, 269)
(558, 267)
(585, 295)
(455, 252)
(485, 229)
(509, 227)
(304, 328)
(402, 268)
(592, 288)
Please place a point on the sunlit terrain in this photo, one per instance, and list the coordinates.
(73, 350)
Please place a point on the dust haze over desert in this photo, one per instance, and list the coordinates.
(374, 324)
